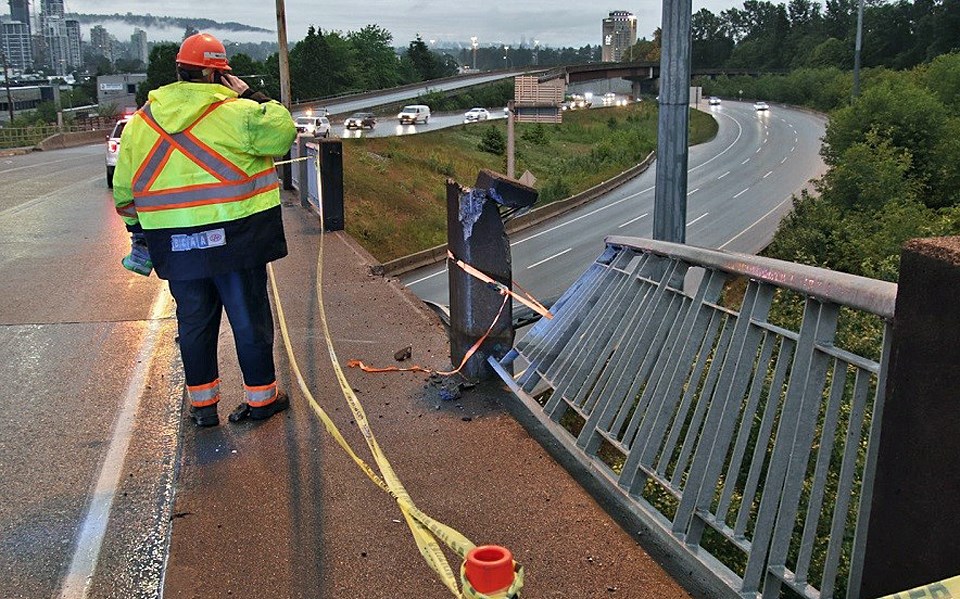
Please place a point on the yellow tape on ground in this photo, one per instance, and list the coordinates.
(945, 589)
(425, 529)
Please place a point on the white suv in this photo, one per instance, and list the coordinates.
(317, 126)
(113, 148)
(414, 113)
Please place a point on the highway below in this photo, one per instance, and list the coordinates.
(740, 185)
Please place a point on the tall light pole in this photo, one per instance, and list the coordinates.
(856, 51)
(286, 173)
(536, 53)
(6, 83)
(473, 42)
(505, 50)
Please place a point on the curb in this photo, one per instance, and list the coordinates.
(405, 264)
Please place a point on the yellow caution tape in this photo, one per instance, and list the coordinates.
(425, 529)
(945, 589)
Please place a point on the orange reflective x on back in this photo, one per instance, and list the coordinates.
(233, 184)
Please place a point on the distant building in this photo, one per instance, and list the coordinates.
(20, 11)
(52, 8)
(100, 42)
(619, 34)
(15, 42)
(25, 99)
(74, 44)
(119, 90)
(57, 56)
(138, 46)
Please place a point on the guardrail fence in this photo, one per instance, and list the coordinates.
(741, 442)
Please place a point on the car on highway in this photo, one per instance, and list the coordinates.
(476, 114)
(113, 147)
(714, 101)
(760, 105)
(413, 114)
(360, 120)
(317, 126)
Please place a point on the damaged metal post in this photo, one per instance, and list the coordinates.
(476, 235)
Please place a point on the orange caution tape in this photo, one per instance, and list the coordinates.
(527, 299)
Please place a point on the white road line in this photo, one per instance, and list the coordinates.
(690, 193)
(31, 166)
(796, 140)
(741, 193)
(632, 220)
(745, 161)
(793, 148)
(758, 151)
(784, 160)
(764, 140)
(756, 222)
(723, 175)
(550, 258)
(698, 218)
(84, 563)
(768, 174)
(422, 279)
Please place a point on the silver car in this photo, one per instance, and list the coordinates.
(476, 114)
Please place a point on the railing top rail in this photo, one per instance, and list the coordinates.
(870, 295)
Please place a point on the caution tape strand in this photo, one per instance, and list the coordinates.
(426, 530)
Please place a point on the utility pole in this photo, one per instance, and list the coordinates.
(285, 170)
(856, 51)
(670, 199)
(6, 83)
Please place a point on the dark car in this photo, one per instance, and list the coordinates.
(360, 120)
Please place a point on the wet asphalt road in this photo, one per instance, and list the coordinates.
(78, 335)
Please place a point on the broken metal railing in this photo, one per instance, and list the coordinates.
(744, 445)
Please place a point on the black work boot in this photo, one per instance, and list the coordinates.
(205, 416)
(245, 410)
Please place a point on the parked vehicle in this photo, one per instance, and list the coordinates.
(113, 147)
(317, 126)
(413, 114)
(360, 120)
(476, 114)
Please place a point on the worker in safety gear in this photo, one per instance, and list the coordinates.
(197, 188)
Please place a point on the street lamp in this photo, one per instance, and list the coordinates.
(505, 49)
(536, 52)
(473, 42)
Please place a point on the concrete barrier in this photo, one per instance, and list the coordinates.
(58, 141)
(404, 264)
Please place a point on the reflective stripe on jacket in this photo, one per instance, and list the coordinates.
(196, 172)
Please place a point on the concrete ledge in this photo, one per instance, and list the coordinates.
(404, 264)
(60, 141)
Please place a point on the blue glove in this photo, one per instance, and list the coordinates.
(138, 260)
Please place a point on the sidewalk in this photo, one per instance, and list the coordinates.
(277, 510)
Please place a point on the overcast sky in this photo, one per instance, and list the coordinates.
(553, 23)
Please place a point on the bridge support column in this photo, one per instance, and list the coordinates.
(476, 236)
(913, 536)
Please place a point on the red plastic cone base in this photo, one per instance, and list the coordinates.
(489, 568)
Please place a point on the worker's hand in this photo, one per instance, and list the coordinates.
(235, 83)
(138, 260)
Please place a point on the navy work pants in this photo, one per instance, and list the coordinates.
(200, 302)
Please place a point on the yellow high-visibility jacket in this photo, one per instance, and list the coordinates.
(196, 173)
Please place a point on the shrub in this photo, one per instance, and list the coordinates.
(493, 142)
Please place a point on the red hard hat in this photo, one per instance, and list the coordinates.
(203, 50)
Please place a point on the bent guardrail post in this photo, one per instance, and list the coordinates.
(913, 537)
(476, 236)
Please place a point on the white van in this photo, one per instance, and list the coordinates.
(414, 113)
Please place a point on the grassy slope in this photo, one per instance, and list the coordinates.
(395, 186)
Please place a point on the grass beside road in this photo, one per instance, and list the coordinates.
(395, 187)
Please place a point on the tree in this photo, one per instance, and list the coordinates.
(161, 70)
(712, 44)
(422, 63)
(377, 64)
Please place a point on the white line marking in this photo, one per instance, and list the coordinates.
(768, 174)
(758, 151)
(550, 258)
(422, 279)
(796, 140)
(764, 140)
(741, 193)
(745, 161)
(698, 218)
(723, 175)
(30, 166)
(690, 193)
(756, 222)
(784, 160)
(793, 148)
(632, 220)
(84, 563)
